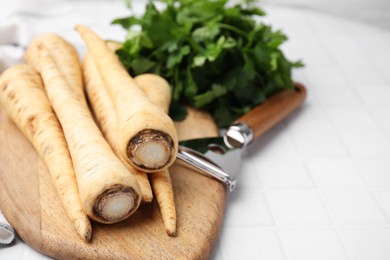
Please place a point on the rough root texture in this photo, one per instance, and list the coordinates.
(150, 149)
(115, 204)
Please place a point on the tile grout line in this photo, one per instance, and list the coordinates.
(330, 212)
(320, 190)
(272, 210)
(367, 181)
(373, 190)
(336, 64)
(368, 57)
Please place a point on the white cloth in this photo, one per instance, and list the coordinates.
(13, 37)
(7, 234)
(21, 20)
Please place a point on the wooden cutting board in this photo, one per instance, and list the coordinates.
(30, 203)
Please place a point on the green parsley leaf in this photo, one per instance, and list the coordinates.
(216, 56)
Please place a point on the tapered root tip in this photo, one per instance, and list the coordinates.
(116, 204)
(171, 231)
(83, 227)
(169, 222)
(150, 150)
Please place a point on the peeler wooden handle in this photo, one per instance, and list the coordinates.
(273, 110)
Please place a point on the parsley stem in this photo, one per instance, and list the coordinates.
(233, 29)
(194, 45)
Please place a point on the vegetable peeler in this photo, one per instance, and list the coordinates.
(220, 157)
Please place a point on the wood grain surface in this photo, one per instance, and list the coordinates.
(30, 203)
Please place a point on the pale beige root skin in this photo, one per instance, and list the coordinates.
(23, 97)
(135, 111)
(113, 45)
(105, 115)
(98, 170)
(159, 92)
(162, 187)
(64, 55)
(156, 88)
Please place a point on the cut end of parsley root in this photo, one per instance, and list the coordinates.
(216, 56)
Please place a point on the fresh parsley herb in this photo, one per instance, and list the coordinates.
(215, 56)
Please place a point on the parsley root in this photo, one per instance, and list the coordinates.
(64, 55)
(147, 137)
(24, 99)
(162, 187)
(108, 191)
(158, 91)
(104, 111)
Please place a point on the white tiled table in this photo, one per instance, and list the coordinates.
(318, 185)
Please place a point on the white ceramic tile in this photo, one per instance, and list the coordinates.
(336, 172)
(387, 135)
(311, 53)
(355, 208)
(377, 171)
(314, 243)
(376, 36)
(276, 142)
(318, 142)
(324, 24)
(366, 35)
(280, 173)
(384, 197)
(312, 97)
(322, 77)
(352, 119)
(299, 75)
(294, 52)
(334, 95)
(314, 133)
(283, 13)
(251, 243)
(368, 243)
(343, 49)
(366, 144)
(329, 86)
(248, 177)
(298, 207)
(380, 61)
(375, 95)
(369, 37)
(359, 75)
(247, 208)
(381, 116)
(297, 30)
(310, 118)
